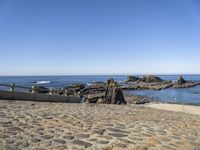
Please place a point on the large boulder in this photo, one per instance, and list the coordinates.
(114, 94)
(132, 79)
(151, 78)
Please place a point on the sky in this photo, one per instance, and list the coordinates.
(94, 37)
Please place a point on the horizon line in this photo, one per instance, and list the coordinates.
(129, 74)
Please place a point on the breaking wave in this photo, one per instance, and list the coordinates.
(41, 82)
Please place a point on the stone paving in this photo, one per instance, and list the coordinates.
(60, 126)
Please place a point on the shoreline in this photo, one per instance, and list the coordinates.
(185, 108)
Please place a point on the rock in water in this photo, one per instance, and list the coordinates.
(181, 80)
(114, 94)
(151, 78)
(132, 79)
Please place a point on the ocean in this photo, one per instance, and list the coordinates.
(184, 96)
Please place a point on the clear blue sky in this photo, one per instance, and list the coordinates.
(65, 37)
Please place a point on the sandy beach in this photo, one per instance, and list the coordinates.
(59, 126)
(177, 107)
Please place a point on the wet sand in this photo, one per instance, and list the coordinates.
(59, 126)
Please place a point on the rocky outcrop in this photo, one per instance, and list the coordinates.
(181, 80)
(148, 86)
(151, 78)
(133, 79)
(109, 93)
(182, 83)
(71, 90)
(156, 83)
(114, 94)
(93, 94)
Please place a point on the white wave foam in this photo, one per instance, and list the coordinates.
(43, 82)
(88, 84)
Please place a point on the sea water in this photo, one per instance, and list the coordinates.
(186, 96)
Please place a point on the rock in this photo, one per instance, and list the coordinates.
(72, 90)
(151, 78)
(82, 136)
(117, 130)
(68, 137)
(146, 85)
(114, 94)
(182, 83)
(94, 98)
(117, 134)
(60, 141)
(136, 99)
(47, 136)
(78, 86)
(99, 131)
(82, 143)
(93, 93)
(9, 147)
(188, 84)
(181, 80)
(40, 89)
(132, 79)
(102, 142)
(35, 140)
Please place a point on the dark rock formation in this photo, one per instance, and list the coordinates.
(93, 93)
(181, 80)
(188, 84)
(151, 78)
(72, 90)
(114, 94)
(182, 83)
(40, 89)
(150, 86)
(155, 83)
(132, 79)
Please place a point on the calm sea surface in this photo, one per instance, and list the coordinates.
(186, 96)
